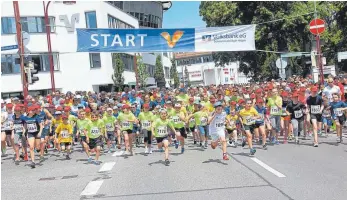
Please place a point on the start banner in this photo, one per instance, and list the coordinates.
(232, 38)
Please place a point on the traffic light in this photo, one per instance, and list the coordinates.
(30, 72)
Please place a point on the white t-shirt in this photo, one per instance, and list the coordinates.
(329, 91)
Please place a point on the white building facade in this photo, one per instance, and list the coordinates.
(73, 71)
(202, 71)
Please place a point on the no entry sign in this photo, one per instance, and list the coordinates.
(317, 26)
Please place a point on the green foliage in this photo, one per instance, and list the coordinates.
(289, 35)
(142, 72)
(186, 74)
(159, 73)
(174, 74)
(118, 70)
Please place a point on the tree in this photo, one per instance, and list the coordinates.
(118, 70)
(174, 74)
(159, 73)
(142, 72)
(186, 74)
(289, 35)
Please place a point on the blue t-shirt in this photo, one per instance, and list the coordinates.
(32, 123)
(334, 106)
(261, 111)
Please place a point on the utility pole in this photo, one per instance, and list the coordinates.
(319, 59)
(20, 48)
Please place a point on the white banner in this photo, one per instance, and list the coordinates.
(229, 38)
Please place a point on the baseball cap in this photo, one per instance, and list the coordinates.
(217, 104)
(314, 89)
(17, 108)
(233, 102)
(109, 109)
(260, 100)
(57, 113)
(115, 108)
(65, 117)
(126, 106)
(146, 105)
(169, 102)
(59, 108)
(295, 95)
(177, 105)
(78, 97)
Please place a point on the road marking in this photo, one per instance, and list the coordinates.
(92, 188)
(118, 153)
(107, 166)
(268, 168)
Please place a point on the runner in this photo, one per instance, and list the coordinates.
(19, 137)
(64, 134)
(216, 123)
(249, 116)
(315, 105)
(259, 123)
(296, 111)
(94, 131)
(110, 122)
(81, 124)
(126, 120)
(146, 120)
(178, 120)
(160, 131)
(337, 107)
(201, 119)
(274, 104)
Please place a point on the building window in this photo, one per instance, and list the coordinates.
(94, 59)
(29, 25)
(118, 4)
(207, 58)
(167, 72)
(91, 19)
(150, 70)
(128, 61)
(10, 63)
(114, 22)
(189, 61)
(166, 54)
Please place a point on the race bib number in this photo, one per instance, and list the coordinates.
(109, 127)
(18, 128)
(65, 134)
(315, 109)
(162, 131)
(203, 121)
(146, 124)
(338, 112)
(95, 131)
(176, 119)
(32, 128)
(7, 125)
(274, 110)
(249, 120)
(126, 124)
(298, 113)
(219, 124)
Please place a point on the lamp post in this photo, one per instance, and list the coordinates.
(49, 44)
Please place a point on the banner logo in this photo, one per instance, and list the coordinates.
(175, 38)
(206, 38)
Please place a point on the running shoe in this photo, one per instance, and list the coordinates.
(21, 156)
(265, 147)
(167, 162)
(150, 151)
(296, 141)
(176, 144)
(194, 141)
(338, 140)
(97, 162)
(26, 157)
(42, 158)
(277, 142)
(182, 150)
(90, 160)
(273, 140)
(225, 156)
(46, 150)
(16, 162)
(32, 164)
(252, 151)
(260, 142)
(315, 145)
(201, 145)
(243, 143)
(206, 145)
(146, 150)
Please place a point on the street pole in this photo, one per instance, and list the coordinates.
(49, 44)
(318, 48)
(136, 72)
(20, 48)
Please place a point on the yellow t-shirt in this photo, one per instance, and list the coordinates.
(248, 115)
(232, 122)
(64, 132)
(56, 122)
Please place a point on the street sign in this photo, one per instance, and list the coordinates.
(317, 26)
(6, 48)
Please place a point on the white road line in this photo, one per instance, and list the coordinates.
(92, 188)
(107, 166)
(268, 168)
(118, 153)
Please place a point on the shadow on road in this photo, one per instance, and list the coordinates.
(215, 161)
(159, 162)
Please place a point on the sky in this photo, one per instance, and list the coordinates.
(183, 14)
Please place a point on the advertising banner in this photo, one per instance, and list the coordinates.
(234, 38)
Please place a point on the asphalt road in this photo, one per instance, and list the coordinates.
(285, 171)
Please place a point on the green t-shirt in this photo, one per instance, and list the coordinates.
(81, 125)
(109, 121)
(184, 98)
(160, 127)
(271, 103)
(95, 128)
(124, 118)
(201, 118)
(146, 119)
(176, 120)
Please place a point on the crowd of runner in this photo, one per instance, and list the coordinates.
(230, 115)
